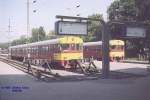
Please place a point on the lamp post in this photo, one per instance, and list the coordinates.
(28, 29)
(28, 18)
(9, 43)
(28, 25)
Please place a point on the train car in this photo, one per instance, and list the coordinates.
(61, 51)
(94, 50)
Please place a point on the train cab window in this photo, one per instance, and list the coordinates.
(72, 46)
(122, 47)
(116, 47)
(78, 46)
(119, 47)
(113, 47)
(65, 46)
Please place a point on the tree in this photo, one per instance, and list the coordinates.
(52, 35)
(38, 34)
(138, 10)
(42, 33)
(35, 35)
(4, 45)
(21, 40)
(143, 10)
(124, 10)
(94, 29)
(129, 10)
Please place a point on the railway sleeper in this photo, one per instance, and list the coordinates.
(92, 68)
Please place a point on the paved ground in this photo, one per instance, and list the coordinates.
(20, 86)
(133, 68)
(136, 61)
(8, 70)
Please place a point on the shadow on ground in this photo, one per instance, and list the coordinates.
(123, 74)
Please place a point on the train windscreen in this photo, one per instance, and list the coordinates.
(116, 47)
(71, 47)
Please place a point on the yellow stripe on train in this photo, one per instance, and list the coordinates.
(68, 56)
(116, 54)
(70, 39)
(116, 42)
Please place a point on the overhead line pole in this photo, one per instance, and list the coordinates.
(9, 43)
(28, 28)
(28, 20)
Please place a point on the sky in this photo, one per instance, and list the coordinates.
(15, 13)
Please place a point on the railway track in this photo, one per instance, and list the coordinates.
(61, 75)
(16, 64)
(40, 72)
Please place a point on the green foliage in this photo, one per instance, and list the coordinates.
(52, 35)
(122, 10)
(94, 29)
(4, 45)
(35, 35)
(42, 33)
(21, 40)
(130, 10)
(143, 10)
(38, 34)
(138, 10)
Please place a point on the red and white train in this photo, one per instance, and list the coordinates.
(94, 50)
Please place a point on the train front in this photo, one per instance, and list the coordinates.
(71, 50)
(116, 50)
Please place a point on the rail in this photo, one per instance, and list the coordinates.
(38, 72)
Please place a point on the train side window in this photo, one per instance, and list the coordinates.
(46, 48)
(113, 47)
(33, 50)
(43, 50)
(86, 48)
(50, 47)
(59, 47)
(39, 48)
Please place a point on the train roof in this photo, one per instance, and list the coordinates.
(111, 42)
(92, 43)
(68, 39)
(116, 42)
(37, 43)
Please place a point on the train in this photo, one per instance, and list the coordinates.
(64, 52)
(94, 50)
(61, 52)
